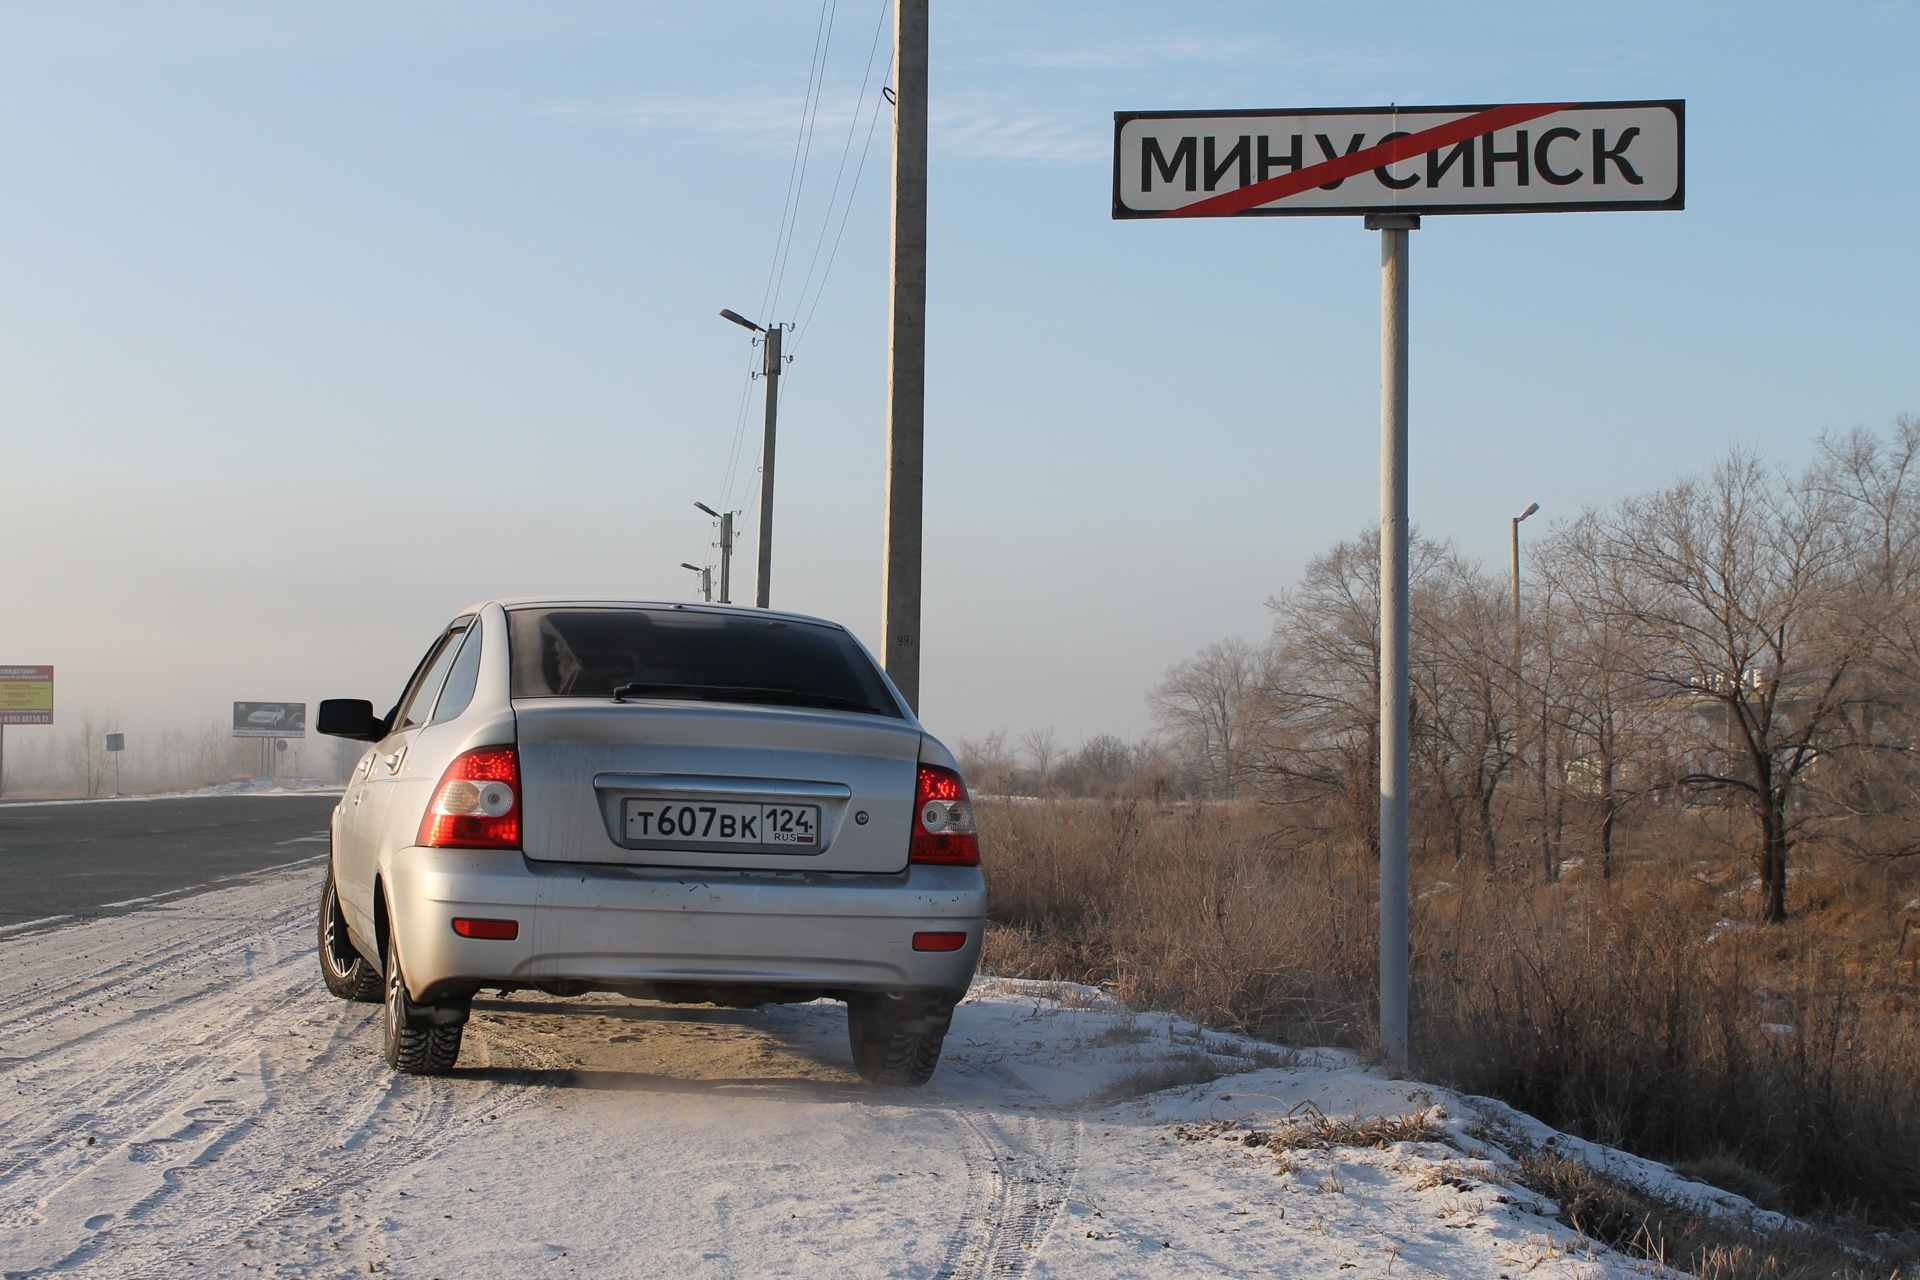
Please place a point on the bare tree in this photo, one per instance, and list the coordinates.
(1317, 751)
(87, 756)
(1460, 675)
(986, 763)
(1102, 765)
(1608, 713)
(1209, 705)
(1732, 589)
(1866, 788)
(1042, 753)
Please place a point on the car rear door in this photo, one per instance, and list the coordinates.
(393, 766)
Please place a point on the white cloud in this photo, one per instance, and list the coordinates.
(1018, 135)
(1136, 54)
(768, 120)
(771, 122)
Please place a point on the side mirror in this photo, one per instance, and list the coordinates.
(350, 718)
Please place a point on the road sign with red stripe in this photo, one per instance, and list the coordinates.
(1540, 157)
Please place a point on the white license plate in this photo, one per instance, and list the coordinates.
(703, 822)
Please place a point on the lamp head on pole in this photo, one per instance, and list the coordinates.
(709, 510)
(742, 321)
(1531, 508)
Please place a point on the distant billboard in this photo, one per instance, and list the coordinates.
(26, 695)
(269, 719)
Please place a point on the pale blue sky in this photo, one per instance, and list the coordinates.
(318, 322)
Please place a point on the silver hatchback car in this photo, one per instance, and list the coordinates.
(689, 803)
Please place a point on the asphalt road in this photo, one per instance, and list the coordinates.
(64, 862)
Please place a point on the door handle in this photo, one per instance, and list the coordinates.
(393, 761)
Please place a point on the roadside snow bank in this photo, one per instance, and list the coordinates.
(179, 1092)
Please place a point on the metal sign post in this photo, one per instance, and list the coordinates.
(116, 744)
(1395, 629)
(1393, 165)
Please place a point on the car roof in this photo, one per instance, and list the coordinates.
(612, 602)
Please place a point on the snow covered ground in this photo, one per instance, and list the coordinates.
(179, 1096)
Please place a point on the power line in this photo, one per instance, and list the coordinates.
(803, 152)
(846, 149)
(846, 211)
(789, 215)
(792, 206)
(739, 437)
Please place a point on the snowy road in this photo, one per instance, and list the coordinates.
(177, 1091)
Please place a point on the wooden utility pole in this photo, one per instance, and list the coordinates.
(907, 352)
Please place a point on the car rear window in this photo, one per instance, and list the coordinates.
(675, 653)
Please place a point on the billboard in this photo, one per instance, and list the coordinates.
(269, 719)
(26, 695)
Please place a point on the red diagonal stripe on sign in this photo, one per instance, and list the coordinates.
(1381, 153)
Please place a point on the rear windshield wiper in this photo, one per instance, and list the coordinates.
(745, 693)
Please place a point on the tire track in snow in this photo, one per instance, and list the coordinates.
(196, 1101)
(1020, 1171)
(49, 990)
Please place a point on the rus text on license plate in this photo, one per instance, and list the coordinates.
(704, 822)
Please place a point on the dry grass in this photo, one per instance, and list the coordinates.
(1616, 1215)
(1179, 1072)
(1307, 1128)
(1625, 1011)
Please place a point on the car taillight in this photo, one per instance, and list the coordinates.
(504, 930)
(943, 829)
(477, 804)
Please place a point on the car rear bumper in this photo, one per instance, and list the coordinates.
(634, 928)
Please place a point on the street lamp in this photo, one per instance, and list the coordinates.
(1517, 708)
(726, 550)
(706, 580)
(772, 370)
(1519, 691)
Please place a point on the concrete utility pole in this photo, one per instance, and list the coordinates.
(1394, 631)
(907, 353)
(772, 371)
(765, 587)
(706, 579)
(726, 551)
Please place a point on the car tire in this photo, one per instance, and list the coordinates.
(415, 1043)
(895, 1045)
(342, 967)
